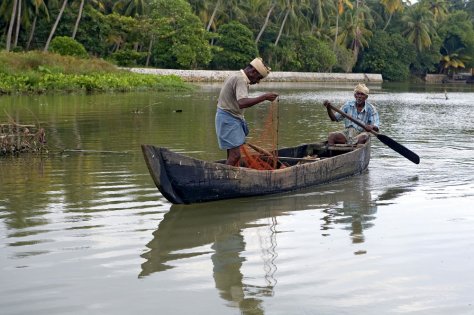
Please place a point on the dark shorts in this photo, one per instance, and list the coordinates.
(231, 131)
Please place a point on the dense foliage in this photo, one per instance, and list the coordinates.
(393, 37)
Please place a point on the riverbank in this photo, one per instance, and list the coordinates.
(277, 76)
(37, 72)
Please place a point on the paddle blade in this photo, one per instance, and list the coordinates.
(394, 145)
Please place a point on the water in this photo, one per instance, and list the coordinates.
(85, 231)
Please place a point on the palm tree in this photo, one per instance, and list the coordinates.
(200, 8)
(321, 10)
(439, 8)
(79, 15)
(235, 10)
(18, 23)
(27, 10)
(53, 29)
(282, 26)
(453, 61)
(213, 15)
(10, 27)
(340, 10)
(130, 7)
(419, 25)
(39, 7)
(103, 6)
(355, 28)
(391, 6)
(267, 19)
(97, 3)
(293, 14)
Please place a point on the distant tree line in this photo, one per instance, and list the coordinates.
(393, 37)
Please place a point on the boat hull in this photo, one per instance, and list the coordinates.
(183, 179)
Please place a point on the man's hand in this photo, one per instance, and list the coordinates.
(328, 105)
(251, 101)
(371, 128)
(270, 96)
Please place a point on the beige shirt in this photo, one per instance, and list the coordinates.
(235, 87)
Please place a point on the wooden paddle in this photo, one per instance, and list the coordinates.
(394, 145)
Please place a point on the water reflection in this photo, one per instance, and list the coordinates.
(93, 213)
(218, 230)
(353, 208)
(354, 212)
(220, 224)
(19, 183)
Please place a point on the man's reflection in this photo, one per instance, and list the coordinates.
(186, 227)
(227, 263)
(354, 211)
(184, 231)
(355, 208)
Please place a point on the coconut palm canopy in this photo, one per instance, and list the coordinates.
(188, 34)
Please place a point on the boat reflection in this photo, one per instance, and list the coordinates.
(186, 229)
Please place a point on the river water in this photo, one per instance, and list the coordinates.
(84, 230)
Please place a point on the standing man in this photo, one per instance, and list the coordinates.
(231, 127)
(359, 109)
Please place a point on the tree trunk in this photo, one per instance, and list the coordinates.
(213, 15)
(18, 23)
(33, 27)
(53, 30)
(149, 51)
(282, 26)
(10, 27)
(355, 45)
(389, 18)
(337, 31)
(265, 24)
(79, 15)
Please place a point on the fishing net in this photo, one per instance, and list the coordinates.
(262, 153)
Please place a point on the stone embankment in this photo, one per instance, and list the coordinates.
(276, 76)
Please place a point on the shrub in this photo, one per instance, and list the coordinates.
(184, 43)
(345, 60)
(314, 55)
(127, 57)
(388, 54)
(237, 44)
(67, 46)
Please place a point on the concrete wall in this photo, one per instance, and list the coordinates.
(435, 78)
(219, 76)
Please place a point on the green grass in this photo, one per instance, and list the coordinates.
(37, 72)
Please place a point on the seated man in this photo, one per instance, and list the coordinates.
(359, 109)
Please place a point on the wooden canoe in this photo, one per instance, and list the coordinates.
(183, 179)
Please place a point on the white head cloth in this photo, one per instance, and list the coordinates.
(258, 64)
(361, 88)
